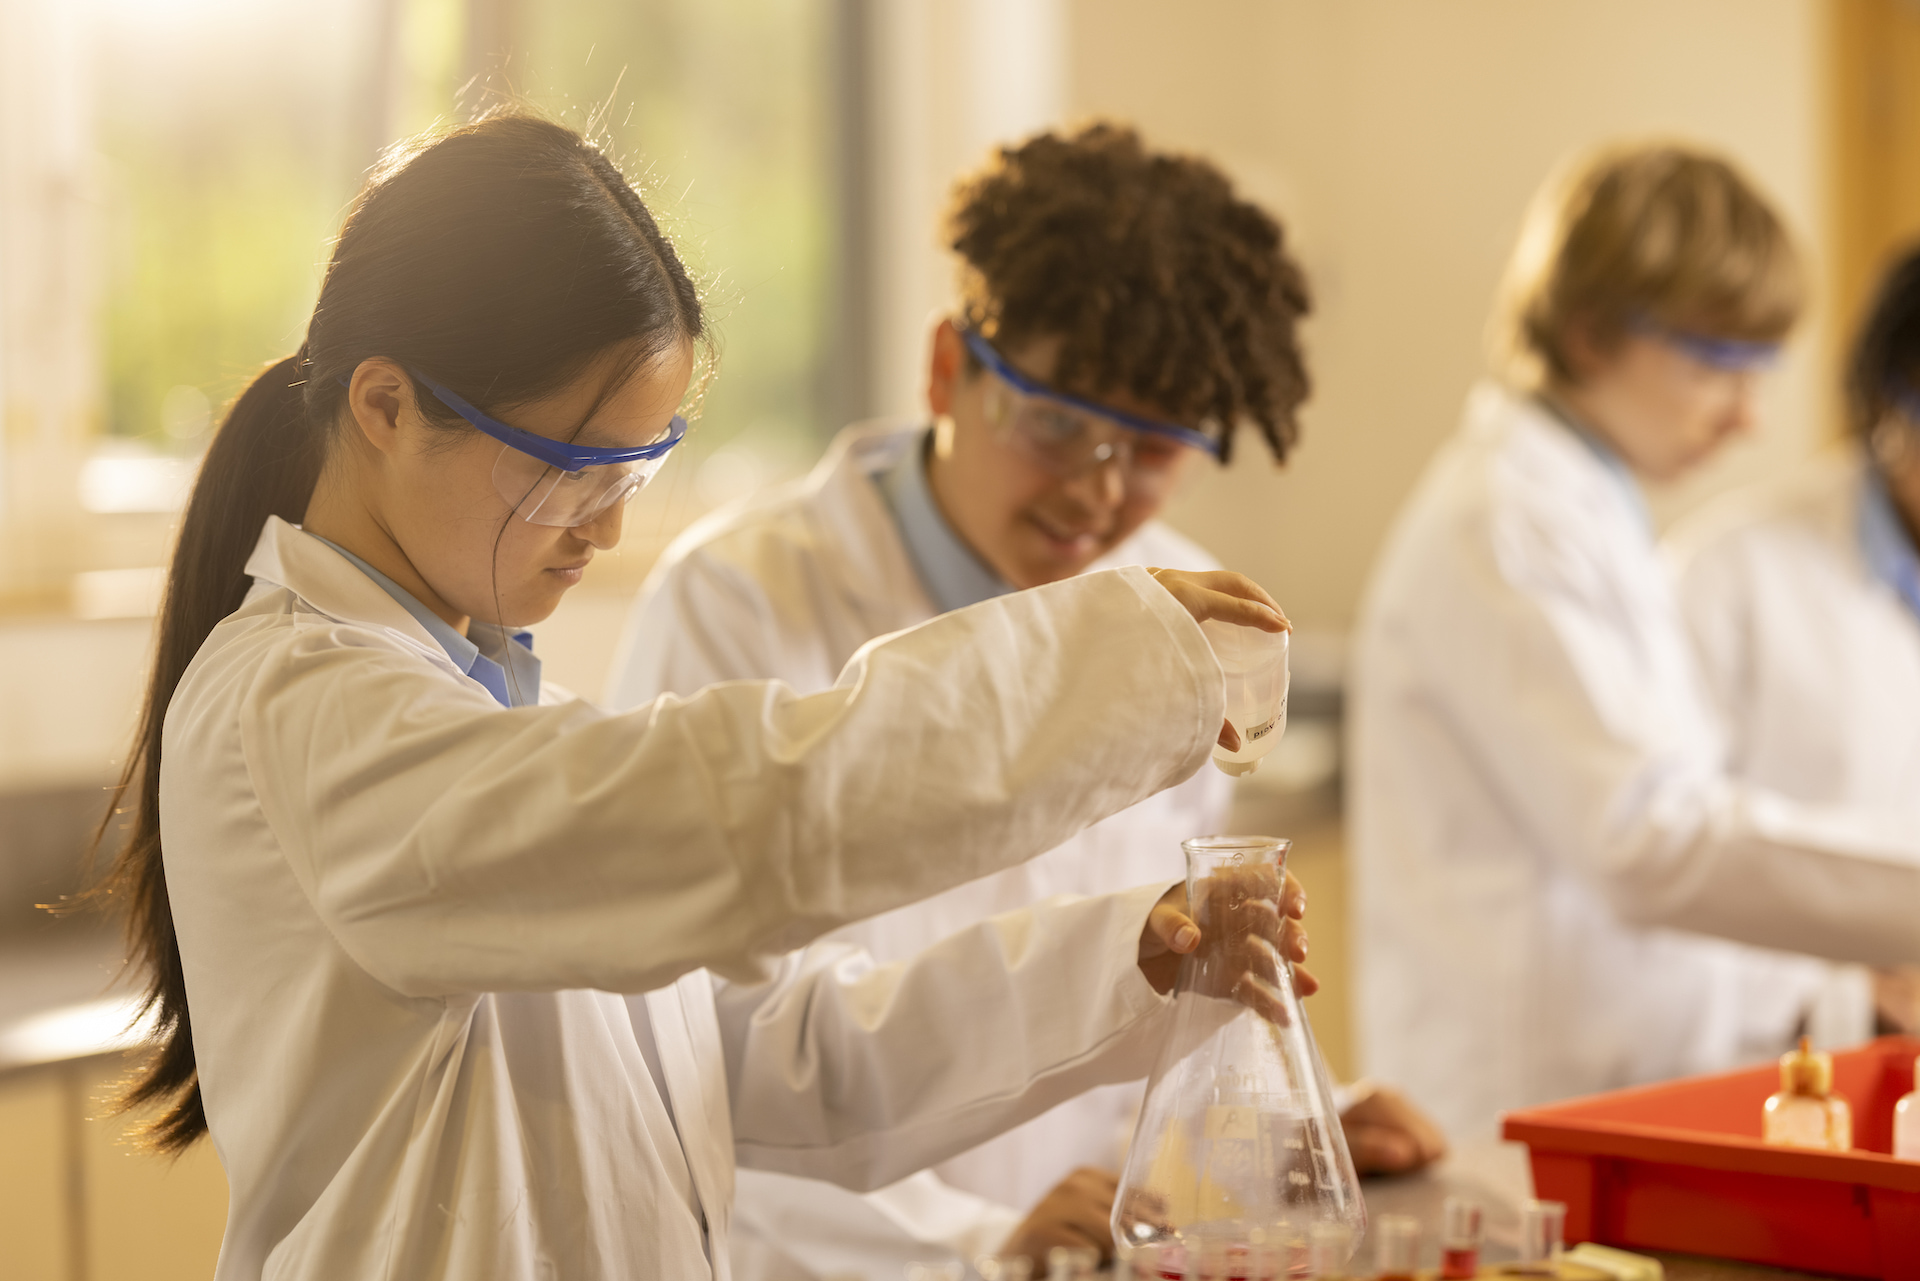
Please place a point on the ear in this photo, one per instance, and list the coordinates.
(379, 398)
(1586, 349)
(946, 368)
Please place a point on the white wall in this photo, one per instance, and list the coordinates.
(1400, 141)
(48, 378)
(950, 79)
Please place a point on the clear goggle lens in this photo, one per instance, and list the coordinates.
(1070, 442)
(546, 495)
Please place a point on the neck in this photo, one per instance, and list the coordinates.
(940, 483)
(339, 514)
(1576, 408)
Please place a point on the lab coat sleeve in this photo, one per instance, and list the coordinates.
(861, 1074)
(451, 845)
(1628, 794)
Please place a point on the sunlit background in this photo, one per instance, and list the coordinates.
(170, 173)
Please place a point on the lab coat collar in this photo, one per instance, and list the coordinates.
(286, 556)
(1609, 458)
(846, 508)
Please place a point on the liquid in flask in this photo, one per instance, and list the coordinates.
(1255, 664)
(1239, 1154)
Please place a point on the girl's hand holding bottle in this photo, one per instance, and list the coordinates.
(1227, 597)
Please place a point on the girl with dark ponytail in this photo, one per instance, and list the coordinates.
(380, 883)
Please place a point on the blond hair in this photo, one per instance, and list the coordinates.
(1633, 233)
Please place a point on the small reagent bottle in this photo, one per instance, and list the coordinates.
(1396, 1247)
(1906, 1121)
(1459, 1238)
(1255, 666)
(1806, 1113)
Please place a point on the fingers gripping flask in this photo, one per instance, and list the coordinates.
(1239, 1153)
(1255, 663)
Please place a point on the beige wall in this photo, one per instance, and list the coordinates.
(1400, 139)
(79, 1202)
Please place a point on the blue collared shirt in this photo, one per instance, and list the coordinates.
(502, 662)
(1885, 542)
(953, 574)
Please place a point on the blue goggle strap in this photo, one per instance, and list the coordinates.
(1736, 355)
(553, 453)
(985, 353)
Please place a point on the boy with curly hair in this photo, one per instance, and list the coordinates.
(1123, 315)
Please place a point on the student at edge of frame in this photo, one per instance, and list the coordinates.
(1122, 312)
(1559, 886)
(467, 978)
(1803, 600)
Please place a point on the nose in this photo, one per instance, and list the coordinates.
(603, 531)
(1102, 486)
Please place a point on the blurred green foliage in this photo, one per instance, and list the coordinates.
(231, 151)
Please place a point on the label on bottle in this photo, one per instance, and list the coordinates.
(1259, 732)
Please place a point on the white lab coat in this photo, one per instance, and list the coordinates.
(401, 906)
(787, 585)
(1539, 804)
(1813, 661)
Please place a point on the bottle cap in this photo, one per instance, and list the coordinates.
(1237, 768)
(1806, 1071)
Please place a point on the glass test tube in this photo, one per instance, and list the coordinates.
(1459, 1239)
(1397, 1248)
(1543, 1226)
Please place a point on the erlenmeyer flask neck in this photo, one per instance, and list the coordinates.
(1233, 887)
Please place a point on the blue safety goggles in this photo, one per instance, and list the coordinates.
(552, 482)
(554, 453)
(1733, 355)
(1068, 439)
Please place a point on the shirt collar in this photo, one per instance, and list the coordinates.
(952, 573)
(503, 662)
(1615, 465)
(1884, 540)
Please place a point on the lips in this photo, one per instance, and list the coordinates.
(1072, 541)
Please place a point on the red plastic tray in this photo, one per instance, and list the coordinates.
(1680, 1166)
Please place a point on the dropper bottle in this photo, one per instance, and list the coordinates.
(1806, 1113)
(1906, 1121)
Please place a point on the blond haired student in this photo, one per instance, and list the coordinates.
(1555, 873)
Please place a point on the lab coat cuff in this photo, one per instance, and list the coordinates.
(1203, 669)
(1137, 998)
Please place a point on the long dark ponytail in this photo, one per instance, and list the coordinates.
(500, 258)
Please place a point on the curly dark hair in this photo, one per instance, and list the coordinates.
(1158, 279)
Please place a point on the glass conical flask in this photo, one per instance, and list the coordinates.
(1239, 1150)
